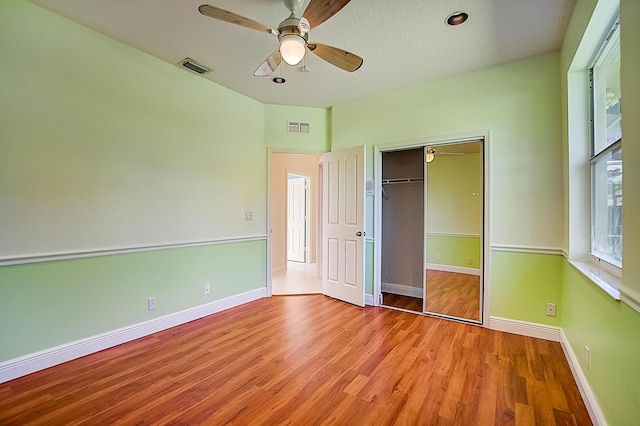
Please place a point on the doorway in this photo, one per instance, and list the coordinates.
(294, 203)
(432, 229)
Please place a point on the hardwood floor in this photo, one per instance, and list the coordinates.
(448, 293)
(453, 294)
(403, 302)
(305, 360)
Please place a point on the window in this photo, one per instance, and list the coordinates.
(606, 154)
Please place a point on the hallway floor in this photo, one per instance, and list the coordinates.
(298, 278)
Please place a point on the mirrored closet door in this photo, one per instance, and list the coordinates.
(454, 228)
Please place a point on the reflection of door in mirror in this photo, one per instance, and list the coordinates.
(454, 220)
(402, 255)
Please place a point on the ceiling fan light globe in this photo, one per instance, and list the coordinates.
(431, 154)
(292, 48)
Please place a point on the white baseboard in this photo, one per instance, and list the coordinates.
(452, 268)
(30, 363)
(403, 290)
(524, 328)
(589, 398)
(368, 299)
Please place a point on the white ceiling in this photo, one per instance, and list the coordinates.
(402, 42)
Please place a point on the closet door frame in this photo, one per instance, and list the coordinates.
(485, 259)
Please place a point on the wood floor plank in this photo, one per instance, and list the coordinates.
(304, 360)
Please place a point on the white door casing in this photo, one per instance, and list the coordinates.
(296, 219)
(343, 240)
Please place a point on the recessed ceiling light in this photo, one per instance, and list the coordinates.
(279, 80)
(457, 18)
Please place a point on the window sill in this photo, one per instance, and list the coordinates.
(607, 282)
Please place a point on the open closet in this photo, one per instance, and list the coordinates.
(432, 229)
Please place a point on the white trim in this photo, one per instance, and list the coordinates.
(377, 225)
(599, 277)
(589, 398)
(524, 328)
(368, 300)
(36, 361)
(528, 249)
(451, 234)
(50, 257)
(402, 290)
(485, 254)
(629, 300)
(453, 268)
(433, 140)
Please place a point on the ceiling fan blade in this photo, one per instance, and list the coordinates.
(338, 57)
(232, 18)
(269, 65)
(319, 11)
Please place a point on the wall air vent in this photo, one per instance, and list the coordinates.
(297, 127)
(194, 66)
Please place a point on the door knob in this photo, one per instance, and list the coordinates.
(360, 234)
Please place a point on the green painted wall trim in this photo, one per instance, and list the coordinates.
(43, 305)
(522, 284)
(590, 317)
(454, 250)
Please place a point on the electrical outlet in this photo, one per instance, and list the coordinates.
(587, 355)
(206, 289)
(470, 262)
(438, 257)
(551, 309)
(151, 303)
(248, 216)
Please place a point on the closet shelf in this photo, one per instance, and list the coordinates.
(402, 180)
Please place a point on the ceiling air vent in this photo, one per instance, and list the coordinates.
(194, 66)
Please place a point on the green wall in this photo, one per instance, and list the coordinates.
(518, 104)
(106, 147)
(454, 189)
(103, 146)
(610, 329)
(47, 304)
(522, 284)
(369, 268)
(454, 250)
(279, 139)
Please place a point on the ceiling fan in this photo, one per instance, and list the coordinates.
(293, 34)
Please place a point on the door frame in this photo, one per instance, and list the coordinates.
(485, 258)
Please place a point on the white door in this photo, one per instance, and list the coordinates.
(296, 218)
(343, 225)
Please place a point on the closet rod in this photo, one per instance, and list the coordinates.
(402, 180)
